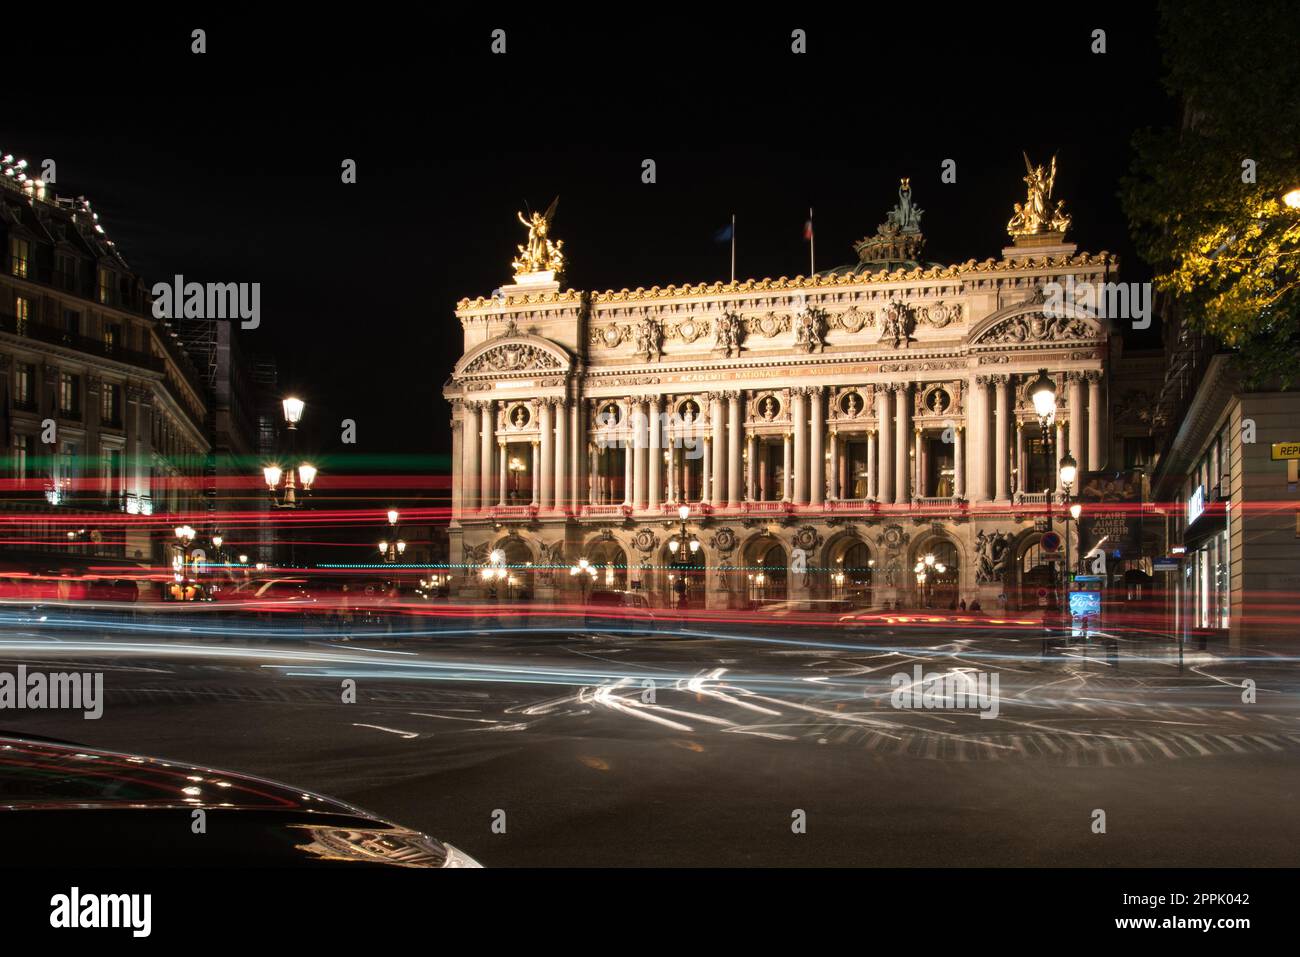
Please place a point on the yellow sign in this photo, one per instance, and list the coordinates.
(1286, 450)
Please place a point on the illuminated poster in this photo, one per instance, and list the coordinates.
(1112, 513)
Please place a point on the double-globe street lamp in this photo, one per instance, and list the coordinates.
(925, 568)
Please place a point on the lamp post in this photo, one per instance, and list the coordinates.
(585, 573)
(926, 568)
(392, 550)
(1042, 392)
(1069, 472)
(495, 571)
(296, 478)
(683, 547)
(516, 468)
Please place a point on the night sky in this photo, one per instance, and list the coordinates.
(225, 167)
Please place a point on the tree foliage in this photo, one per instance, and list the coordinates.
(1227, 250)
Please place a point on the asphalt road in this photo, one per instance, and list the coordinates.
(606, 749)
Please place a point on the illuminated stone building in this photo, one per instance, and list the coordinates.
(828, 433)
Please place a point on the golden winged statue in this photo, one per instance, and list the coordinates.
(1032, 217)
(539, 254)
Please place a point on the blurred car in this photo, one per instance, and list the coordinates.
(69, 806)
(618, 609)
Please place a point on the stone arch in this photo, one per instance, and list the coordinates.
(1031, 572)
(519, 353)
(612, 560)
(940, 590)
(850, 563)
(765, 562)
(1099, 328)
(520, 555)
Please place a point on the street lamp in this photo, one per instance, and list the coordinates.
(516, 468)
(684, 547)
(585, 573)
(1069, 472)
(1292, 198)
(287, 496)
(495, 571)
(293, 411)
(392, 550)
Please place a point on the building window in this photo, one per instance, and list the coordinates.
(72, 322)
(105, 286)
(22, 314)
(69, 453)
(69, 395)
(109, 404)
(66, 272)
(25, 385)
(20, 257)
(112, 336)
(111, 467)
(22, 449)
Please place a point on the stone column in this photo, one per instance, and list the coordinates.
(457, 424)
(884, 483)
(687, 491)
(1002, 445)
(593, 472)
(656, 455)
(1077, 420)
(562, 500)
(751, 471)
(672, 470)
(1022, 471)
(503, 472)
(547, 426)
(629, 454)
(873, 471)
(799, 408)
(735, 475)
(922, 463)
(762, 470)
(488, 424)
(718, 484)
(902, 458)
(818, 464)
(706, 470)
(1058, 453)
(977, 454)
(577, 451)
(787, 472)
(535, 467)
(1096, 447)
(469, 452)
(835, 466)
(959, 461)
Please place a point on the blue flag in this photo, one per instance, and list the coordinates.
(724, 234)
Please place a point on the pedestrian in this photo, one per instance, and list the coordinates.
(962, 606)
(975, 605)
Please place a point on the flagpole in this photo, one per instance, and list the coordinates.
(812, 245)
(733, 247)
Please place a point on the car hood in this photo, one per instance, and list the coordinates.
(162, 811)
